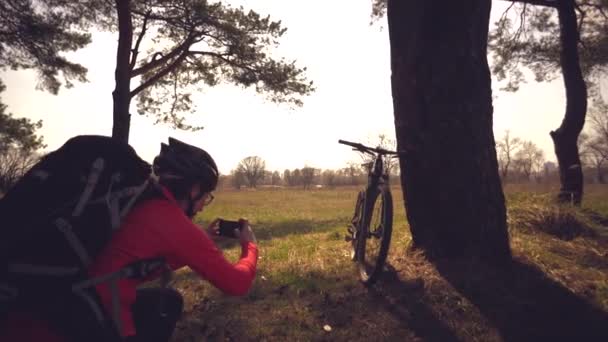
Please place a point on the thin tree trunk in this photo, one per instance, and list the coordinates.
(566, 136)
(121, 94)
(442, 102)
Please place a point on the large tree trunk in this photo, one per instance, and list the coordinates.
(122, 93)
(442, 102)
(566, 136)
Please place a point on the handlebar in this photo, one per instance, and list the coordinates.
(370, 150)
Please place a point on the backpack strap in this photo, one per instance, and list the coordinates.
(66, 228)
(92, 303)
(136, 270)
(112, 200)
(115, 304)
(92, 180)
(137, 192)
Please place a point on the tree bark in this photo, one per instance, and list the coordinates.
(442, 101)
(122, 92)
(566, 136)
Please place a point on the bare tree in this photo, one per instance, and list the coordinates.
(253, 168)
(308, 175)
(598, 120)
(529, 159)
(596, 154)
(353, 171)
(594, 146)
(329, 178)
(391, 164)
(238, 179)
(276, 178)
(296, 177)
(14, 163)
(287, 177)
(507, 146)
(266, 178)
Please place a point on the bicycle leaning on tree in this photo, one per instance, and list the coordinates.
(370, 229)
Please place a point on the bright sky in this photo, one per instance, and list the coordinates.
(347, 59)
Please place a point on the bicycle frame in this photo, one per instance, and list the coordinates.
(378, 174)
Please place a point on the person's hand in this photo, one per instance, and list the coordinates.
(212, 228)
(246, 234)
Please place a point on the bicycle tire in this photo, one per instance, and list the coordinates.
(379, 200)
(355, 223)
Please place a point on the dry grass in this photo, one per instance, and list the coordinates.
(556, 288)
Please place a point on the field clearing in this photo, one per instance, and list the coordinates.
(306, 283)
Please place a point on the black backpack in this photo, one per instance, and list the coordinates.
(54, 222)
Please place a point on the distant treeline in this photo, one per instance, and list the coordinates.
(306, 177)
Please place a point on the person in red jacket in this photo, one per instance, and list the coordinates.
(161, 226)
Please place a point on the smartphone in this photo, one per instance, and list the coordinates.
(227, 227)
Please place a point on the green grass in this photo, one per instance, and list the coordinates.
(306, 280)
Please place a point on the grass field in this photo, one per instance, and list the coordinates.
(307, 290)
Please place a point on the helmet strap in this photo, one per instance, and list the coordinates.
(191, 200)
(190, 209)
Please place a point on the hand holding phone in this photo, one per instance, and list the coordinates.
(226, 228)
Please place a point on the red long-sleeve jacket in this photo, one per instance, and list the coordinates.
(155, 228)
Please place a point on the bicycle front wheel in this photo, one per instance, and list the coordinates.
(375, 234)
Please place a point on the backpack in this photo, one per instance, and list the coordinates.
(54, 222)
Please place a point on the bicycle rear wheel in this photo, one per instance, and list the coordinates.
(375, 234)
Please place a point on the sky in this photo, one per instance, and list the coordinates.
(348, 61)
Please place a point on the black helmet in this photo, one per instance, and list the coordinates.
(182, 161)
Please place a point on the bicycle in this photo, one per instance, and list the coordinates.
(367, 230)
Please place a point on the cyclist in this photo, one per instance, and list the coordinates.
(160, 226)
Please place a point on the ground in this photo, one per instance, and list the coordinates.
(306, 289)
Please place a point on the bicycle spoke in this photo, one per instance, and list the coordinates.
(377, 233)
(373, 249)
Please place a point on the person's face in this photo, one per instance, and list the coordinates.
(203, 201)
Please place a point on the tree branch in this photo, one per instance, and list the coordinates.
(522, 23)
(504, 14)
(599, 8)
(222, 57)
(175, 97)
(164, 58)
(156, 17)
(139, 39)
(160, 74)
(546, 3)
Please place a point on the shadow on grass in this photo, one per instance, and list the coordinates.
(270, 230)
(524, 304)
(596, 217)
(299, 306)
(405, 301)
